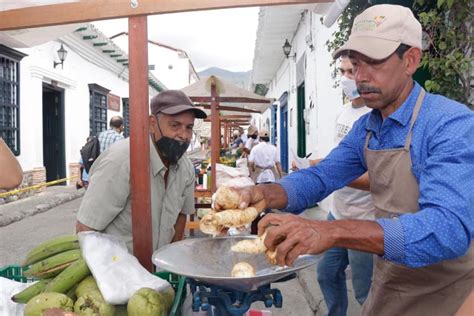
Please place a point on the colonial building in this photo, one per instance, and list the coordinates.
(55, 94)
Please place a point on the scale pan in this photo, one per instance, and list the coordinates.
(210, 260)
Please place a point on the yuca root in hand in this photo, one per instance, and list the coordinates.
(255, 246)
(227, 198)
(209, 224)
(243, 270)
(213, 222)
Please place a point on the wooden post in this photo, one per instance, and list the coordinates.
(226, 135)
(215, 133)
(140, 141)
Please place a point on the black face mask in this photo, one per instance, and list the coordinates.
(253, 136)
(170, 149)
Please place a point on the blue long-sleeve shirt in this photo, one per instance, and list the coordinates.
(442, 153)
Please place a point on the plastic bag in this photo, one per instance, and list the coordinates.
(8, 288)
(117, 272)
(232, 177)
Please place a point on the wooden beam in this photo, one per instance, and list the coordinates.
(231, 100)
(229, 121)
(230, 108)
(226, 135)
(227, 117)
(93, 10)
(140, 142)
(242, 100)
(215, 135)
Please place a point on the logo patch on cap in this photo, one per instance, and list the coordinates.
(379, 19)
(369, 25)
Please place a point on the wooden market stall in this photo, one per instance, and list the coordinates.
(30, 14)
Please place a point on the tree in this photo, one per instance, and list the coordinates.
(448, 33)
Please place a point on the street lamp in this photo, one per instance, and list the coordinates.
(287, 50)
(62, 53)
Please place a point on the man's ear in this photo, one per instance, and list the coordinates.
(152, 122)
(411, 59)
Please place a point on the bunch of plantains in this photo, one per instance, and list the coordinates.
(59, 267)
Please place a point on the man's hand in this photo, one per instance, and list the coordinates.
(249, 196)
(293, 236)
(293, 166)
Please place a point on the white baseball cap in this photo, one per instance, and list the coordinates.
(379, 30)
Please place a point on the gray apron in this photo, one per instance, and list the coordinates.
(259, 170)
(438, 289)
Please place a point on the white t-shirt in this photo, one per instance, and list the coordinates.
(349, 203)
(264, 155)
(251, 143)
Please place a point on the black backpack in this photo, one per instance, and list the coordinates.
(89, 152)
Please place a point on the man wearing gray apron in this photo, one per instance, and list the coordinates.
(419, 151)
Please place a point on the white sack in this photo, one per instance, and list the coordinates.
(8, 288)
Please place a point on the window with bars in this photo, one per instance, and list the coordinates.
(10, 97)
(98, 109)
(126, 117)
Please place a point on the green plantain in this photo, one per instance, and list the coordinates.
(69, 277)
(51, 247)
(31, 291)
(53, 265)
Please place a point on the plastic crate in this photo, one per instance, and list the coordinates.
(15, 272)
(179, 286)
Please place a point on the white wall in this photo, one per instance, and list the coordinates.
(37, 68)
(319, 89)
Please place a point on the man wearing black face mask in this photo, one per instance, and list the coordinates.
(106, 206)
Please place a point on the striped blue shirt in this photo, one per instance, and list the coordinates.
(442, 153)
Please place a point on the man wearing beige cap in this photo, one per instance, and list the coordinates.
(418, 150)
(106, 205)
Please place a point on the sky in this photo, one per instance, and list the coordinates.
(216, 38)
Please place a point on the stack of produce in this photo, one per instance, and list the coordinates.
(214, 224)
(65, 282)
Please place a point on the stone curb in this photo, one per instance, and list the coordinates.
(47, 203)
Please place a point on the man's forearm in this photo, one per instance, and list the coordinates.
(359, 235)
(275, 196)
(81, 227)
(179, 227)
(361, 183)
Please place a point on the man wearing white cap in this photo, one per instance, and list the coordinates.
(418, 150)
(264, 160)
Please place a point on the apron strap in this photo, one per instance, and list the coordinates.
(414, 115)
(416, 110)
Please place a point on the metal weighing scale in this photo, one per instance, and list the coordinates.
(207, 263)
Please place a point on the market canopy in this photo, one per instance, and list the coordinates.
(210, 92)
(235, 98)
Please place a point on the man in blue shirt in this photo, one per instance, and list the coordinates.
(419, 151)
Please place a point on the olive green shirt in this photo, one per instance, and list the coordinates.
(106, 205)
